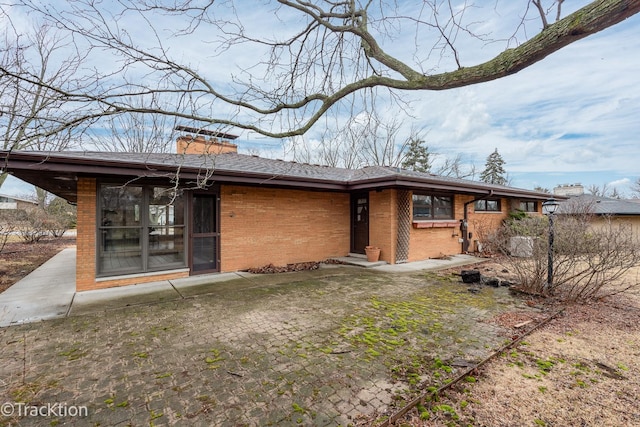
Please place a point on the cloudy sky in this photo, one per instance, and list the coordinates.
(572, 118)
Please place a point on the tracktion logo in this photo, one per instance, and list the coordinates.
(21, 409)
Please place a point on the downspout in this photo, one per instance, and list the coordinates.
(464, 226)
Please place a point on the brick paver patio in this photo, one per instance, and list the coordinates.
(325, 348)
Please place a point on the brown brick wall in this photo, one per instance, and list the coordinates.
(86, 235)
(261, 226)
(435, 242)
(483, 224)
(427, 243)
(383, 223)
(200, 145)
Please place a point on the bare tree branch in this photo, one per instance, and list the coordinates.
(336, 49)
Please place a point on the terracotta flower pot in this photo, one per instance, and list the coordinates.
(373, 253)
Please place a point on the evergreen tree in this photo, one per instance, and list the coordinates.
(417, 157)
(494, 172)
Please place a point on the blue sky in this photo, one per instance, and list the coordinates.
(574, 117)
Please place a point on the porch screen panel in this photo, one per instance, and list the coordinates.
(120, 229)
(141, 228)
(205, 233)
(166, 228)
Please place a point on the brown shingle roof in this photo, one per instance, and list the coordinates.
(40, 168)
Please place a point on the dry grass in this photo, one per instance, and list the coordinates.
(579, 370)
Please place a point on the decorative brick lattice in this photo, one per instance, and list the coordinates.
(404, 226)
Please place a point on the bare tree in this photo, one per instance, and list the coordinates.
(365, 140)
(605, 190)
(635, 188)
(34, 114)
(542, 189)
(289, 77)
(135, 132)
(455, 167)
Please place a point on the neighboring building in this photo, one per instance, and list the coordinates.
(569, 190)
(619, 211)
(15, 203)
(148, 217)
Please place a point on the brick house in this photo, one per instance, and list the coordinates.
(13, 203)
(149, 217)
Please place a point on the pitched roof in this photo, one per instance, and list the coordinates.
(600, 205)
(58, 171)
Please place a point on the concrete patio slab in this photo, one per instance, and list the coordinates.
(431, 264)
(46, 293)
(124, 296)
(359, 261)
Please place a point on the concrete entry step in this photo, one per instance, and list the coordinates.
(359, 260)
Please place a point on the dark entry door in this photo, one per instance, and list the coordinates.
(205, 235)
(359, 222)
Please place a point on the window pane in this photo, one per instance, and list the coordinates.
(166, 206)
(528, 206)
(121, 249)
(493, 205)
(443, 207)
(120, 205)
(421, 207)
(166, 246)
(480, 205)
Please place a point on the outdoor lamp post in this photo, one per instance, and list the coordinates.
(549, 208)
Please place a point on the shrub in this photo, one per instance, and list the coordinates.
(33, 225)
(7, 227)
(590, 258)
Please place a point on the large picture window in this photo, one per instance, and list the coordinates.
(431, 207)
(140, 229)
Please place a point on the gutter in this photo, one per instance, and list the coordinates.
(465, 224)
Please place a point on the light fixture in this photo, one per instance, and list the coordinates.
(550, 206)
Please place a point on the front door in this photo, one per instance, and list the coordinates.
(359, 222)
(205, 235)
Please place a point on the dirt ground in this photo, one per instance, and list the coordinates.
(581, 369)
(18, 259)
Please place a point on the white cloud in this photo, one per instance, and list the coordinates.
(620, 183)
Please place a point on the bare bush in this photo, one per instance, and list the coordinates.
(60, 216)
(590, 256)
(7, 227)
(32, 225)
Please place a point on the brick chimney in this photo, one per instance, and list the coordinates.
(199, 145)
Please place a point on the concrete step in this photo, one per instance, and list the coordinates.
(359, 260)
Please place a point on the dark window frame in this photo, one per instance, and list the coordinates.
(484, 205)
(143, 226)
(435, 199)
(525, 205)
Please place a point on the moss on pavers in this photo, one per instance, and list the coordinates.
(317, 349)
